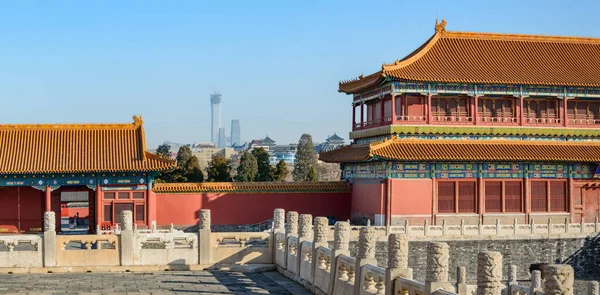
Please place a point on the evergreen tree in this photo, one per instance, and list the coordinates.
(183, 156)
(312, 174)
(264, 167)
(193, 172)
(164, 150)
(248, 168)
(280, 172)
(219, 169)
(306, 158)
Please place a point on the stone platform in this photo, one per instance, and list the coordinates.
(180, 282)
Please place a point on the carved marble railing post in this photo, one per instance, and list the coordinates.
(593, 288)
(559, 279)
(279, 220)
(536, 281)
(341, 246)
(304, 234)
(291, 229)
(127, 238)
(49, 239)
(204, 245)
(320, 234)
(278, 227)
(437, 268)
(397, 260)
(489, 273)
(366, 253)
(461, 281)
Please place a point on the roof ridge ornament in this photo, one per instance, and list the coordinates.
(440, 28)
(137, 121)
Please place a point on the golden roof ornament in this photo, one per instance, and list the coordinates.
(137, 120)
(440, 28)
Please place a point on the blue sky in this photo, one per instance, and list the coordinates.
(277, 63)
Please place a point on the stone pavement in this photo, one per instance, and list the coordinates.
(183, 282)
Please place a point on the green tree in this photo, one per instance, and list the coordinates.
(264, 167)
(312, 174)
(183, 156)
(280, 172)
(193, 172)
(218, 169)
(306, 158)
(164, 150)
(248, 168)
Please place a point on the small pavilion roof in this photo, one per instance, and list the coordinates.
(267, 141)
(467, 150)
(489, 58)
(335, 138)
(69, 148)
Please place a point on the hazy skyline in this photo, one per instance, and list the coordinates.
(277, 64)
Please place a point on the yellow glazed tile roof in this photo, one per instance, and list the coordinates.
(468, 150)
(215, 187)
(57, 148)
(465, 57)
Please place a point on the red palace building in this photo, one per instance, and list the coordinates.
(104, 165)
(477, 127)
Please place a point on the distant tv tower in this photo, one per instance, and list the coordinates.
(215, 115)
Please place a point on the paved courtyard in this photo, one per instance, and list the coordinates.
(186, 282)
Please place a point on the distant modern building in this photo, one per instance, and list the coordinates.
(287, 153)
(215, 115)
(205, 154)
(222, 139)
(331, 143)
(236, 137)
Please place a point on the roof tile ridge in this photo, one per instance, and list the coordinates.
(386, 68)
(520, 37)
(157, 157)
(499, 141)
(92, 126)
(361, 77)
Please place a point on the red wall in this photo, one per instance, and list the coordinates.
(24, 204)
(247, 208)
(70, 212)
(411, 196)
(367, 197)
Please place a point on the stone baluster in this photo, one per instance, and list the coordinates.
(461, 281)
(536, 281)
(489, 273)
(437, 268)
(305, 228)
(559, 279)
(512, 275)
(278, 227)
(498, 227)
(127, 241)
(49, 239)
(320, 233)
(593, 288)
(291, 229)
(341, 245)
(397, 260)
(366, 252)
(515, 226)
(279, 220)
(204, 231)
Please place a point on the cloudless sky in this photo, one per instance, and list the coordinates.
(277, 63)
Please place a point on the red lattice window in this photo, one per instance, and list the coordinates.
(539, 196)
(493, 196)
(513, 197)
(446, 191)
(466, 197)
(558, 196)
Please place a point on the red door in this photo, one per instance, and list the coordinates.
(592, 204)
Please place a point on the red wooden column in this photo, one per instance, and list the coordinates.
(362, 114)
(429, 108)
(99, 206)
(393, 108)
(522, 114)
(382, 103)
(565, 116)
(475, 109)
(48, 199)
(353, 116)
(150, 205)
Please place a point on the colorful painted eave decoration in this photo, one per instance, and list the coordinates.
(251, 187)
(75, 179)
(459, 130)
